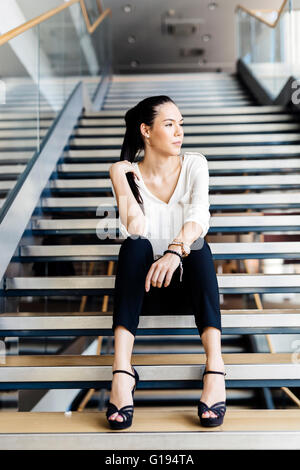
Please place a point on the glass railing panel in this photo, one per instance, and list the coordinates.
(95, 65)
(90, 65)
(74, 53)
(59, 61)
(243, 36)
(93, 9)
(295, 41)
(40, 68)
(266, 49)
(19, 109)
(271, 61)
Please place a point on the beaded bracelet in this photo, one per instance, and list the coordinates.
(176, 253)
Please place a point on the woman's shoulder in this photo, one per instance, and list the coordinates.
(195, 159)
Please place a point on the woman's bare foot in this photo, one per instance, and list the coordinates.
(121, 388)
(213, 387)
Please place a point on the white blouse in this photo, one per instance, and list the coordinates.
(189, 202)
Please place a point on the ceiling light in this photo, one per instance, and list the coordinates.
(127, 8)
(212, 5)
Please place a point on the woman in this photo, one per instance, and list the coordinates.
(164, 210)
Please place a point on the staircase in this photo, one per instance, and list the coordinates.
(61, 279)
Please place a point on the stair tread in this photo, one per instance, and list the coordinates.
(144, 359)
(113, 250)
(267, 311)
(152, 419)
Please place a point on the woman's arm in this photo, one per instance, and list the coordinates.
(195, 225)
(189, 232)
(131, 215)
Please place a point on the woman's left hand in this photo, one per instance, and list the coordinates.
(163, 268)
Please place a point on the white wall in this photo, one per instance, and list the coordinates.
(157, 52)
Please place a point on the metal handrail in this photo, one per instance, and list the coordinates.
(259, 18)
(4, 38)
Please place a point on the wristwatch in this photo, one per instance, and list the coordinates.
(185, 249)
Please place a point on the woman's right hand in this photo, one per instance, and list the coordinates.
(124, 166)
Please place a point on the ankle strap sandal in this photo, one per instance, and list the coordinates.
(218, 408)
(126, 411)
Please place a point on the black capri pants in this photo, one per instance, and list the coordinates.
(197, 294)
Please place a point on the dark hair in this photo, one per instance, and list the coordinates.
(144, 112)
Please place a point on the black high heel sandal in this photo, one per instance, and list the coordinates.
(219, 408)
(126, 411)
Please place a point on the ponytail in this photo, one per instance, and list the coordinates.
(144, 112)
(132, 144)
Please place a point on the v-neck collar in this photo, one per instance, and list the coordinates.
(183, 158)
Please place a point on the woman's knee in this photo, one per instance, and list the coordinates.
(136, 242)
(199, 247)
(200, 261)
(136, 248)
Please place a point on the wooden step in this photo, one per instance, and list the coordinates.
(224, 224)
(238, 152)
(104, 284)
(241, 250)
(204, 120)
(221, 140)
(216, 129)
(93, 323)
(255, 201)
(160, 428)
(65, 371)
(217, 183)
(201, 112)
(215, 167)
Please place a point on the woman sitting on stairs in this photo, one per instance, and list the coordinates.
(164, 216)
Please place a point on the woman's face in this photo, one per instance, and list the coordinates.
(166, 134)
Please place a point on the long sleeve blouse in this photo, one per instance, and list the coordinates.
(189, 202)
